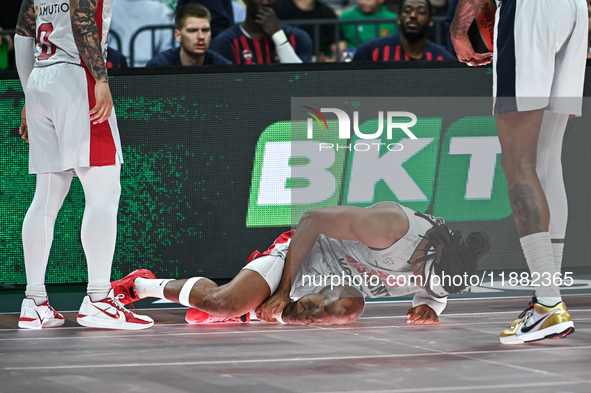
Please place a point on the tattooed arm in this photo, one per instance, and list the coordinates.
(465, 13)
(88, 42)
(25, 26)
(337, 306)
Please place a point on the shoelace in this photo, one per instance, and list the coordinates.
(117, 304)
(528, 309)
(55, 313)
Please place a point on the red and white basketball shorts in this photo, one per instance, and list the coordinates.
(59, 98)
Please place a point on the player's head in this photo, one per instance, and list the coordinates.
(414, 18)
(369, 7)
(192, 28)
(450, 255)
(253, 6)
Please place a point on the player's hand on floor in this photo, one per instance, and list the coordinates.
(23, 130)
(422, 315)
(273, 307)
(104, 103)
(465, 52)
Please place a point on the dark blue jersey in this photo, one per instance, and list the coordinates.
(237, 47)
(115, 59)
(390, 49)
(172, 58)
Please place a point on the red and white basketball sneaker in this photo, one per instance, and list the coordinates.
(126, 286)
(195, 316)
(37, 316)
(109, 313)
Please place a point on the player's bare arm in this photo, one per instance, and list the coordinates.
(465, 13)
(87, 38)
(377, 227)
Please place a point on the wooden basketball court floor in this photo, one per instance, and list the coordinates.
(380, 353)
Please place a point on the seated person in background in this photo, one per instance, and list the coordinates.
(355, 35)
(309, 10)
(414, 20)
(115, 59)
(193, 32)
(321, 272)
(131, 15)
(222, 13)
(262, 39)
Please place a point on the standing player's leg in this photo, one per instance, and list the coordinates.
(549, 169)
(38, 226)
(98, 233)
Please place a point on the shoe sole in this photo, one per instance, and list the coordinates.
(36, 325)
(557, 331)
(101, 323)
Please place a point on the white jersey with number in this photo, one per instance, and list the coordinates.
(55, 41)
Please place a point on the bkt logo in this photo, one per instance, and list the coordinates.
(452, 170)
(344, 124)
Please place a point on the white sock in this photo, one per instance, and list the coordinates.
(146, 287)
(557, 251)
(538, 254)
(98, 291)
(37, 293)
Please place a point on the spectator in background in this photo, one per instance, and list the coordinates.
(355, 35)
(115, 59)
(9, 11)
(193, 32)
(324, 42)
(262, 39)
(222, 13)
(414, 20)
(131, 15)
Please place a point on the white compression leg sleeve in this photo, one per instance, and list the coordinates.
(50, 191)
(549, 169)
(186, 291)
(102, 190)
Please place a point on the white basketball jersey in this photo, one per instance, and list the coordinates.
(385, 273)
(55, 42)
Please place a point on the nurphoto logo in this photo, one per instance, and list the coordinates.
(395, 120)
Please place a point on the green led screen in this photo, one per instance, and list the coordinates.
(191, 145)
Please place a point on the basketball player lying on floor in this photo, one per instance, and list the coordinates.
(372, 251)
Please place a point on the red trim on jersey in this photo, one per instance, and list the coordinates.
(406, 57)
(387, 53)
(375, 55)
(293, 41)
(440, 58)
(246, 47)
(236, 50)
(259, 52)
(102, 145)
(282, 239)
(267, 50)
(429, 56)
(397, 54)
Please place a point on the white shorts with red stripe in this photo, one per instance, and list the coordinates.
(61, 137)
